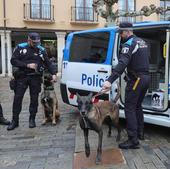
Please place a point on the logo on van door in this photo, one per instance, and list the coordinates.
(93, 80)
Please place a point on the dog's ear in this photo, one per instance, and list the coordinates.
(90, 95)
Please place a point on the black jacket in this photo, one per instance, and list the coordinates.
(24, 54)
(134, 56)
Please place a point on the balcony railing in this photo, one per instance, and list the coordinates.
(84, 14)
(165, 16)
(41, 12)
(130, 19)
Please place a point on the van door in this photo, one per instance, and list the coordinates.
(156, 99)
(87, 63)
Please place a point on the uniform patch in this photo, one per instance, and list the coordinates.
(125, 50)
(24, 51)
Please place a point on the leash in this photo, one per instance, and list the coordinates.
(101, 92)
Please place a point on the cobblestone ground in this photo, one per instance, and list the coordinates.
(44, 147)
(53, 147)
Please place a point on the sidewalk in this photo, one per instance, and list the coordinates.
(44, 147)
(153, 154)
(62, 146)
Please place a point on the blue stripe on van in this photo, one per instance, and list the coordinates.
(110, 48)
(67, 47)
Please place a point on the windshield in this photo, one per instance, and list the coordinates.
(89, 47)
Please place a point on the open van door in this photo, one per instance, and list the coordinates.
(158, 40)
(86, 63)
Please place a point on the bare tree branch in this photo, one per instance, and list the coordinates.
(105, 8)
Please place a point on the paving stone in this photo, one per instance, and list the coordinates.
(52, 147)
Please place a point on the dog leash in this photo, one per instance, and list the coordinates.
(100, 93)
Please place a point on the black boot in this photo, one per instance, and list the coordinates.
(32, 122)
(4, 121)
(141, 135)
(13, 125)
(129, 144)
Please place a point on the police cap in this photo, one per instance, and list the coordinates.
(125, 26)
(35, 37)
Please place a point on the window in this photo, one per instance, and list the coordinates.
(165, 4)
(84, 10)
(89, 47)
(126, 5)
(40, 9)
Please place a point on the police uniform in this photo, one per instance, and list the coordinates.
(25, 77)
(134, 56)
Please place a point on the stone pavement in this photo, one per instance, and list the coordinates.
(153, 154)
(54, 147)
(44, 147)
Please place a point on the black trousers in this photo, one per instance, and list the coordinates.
(34, 84)
(133, 106)
(1, 111)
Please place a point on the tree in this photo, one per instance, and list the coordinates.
(105, 9)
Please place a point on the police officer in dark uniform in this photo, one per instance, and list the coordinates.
(28, 61)
(134, 56)
(3, 121)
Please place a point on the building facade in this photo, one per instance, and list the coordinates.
(53, 20)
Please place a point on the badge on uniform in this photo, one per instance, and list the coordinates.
(125, 50)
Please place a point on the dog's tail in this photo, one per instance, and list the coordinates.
(118, 93)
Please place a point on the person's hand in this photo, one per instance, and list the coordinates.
(32, 66)
(54, 78)
(106, 85)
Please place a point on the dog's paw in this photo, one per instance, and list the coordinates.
(44, 122)
(87, 150)
(98, 160)
(54, 123)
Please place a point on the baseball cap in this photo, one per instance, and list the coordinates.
(35, 37)
(125, 26)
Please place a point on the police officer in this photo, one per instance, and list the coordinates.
(3, 121)
(28, 60)
(134, 56)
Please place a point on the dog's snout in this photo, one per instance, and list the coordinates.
(83, 113)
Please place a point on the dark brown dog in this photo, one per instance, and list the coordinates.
(93, 116)
(49, 101)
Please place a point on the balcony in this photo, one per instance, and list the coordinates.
(132, 19)
(83, 15)
(39, 13)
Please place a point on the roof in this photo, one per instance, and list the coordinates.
(138, 25)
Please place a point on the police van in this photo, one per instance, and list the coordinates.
(90, 55)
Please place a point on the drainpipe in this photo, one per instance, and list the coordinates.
(5, 36)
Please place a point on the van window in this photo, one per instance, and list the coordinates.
(89, 47)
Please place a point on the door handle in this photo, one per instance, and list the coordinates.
(102, 71)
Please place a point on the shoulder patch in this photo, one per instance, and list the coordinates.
(125, 50)
(22, 45)
(41, 48)
(129, 42)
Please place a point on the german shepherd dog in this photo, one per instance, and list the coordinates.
(49, 101)
(92, 117)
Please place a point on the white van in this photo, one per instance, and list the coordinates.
(90, 55)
